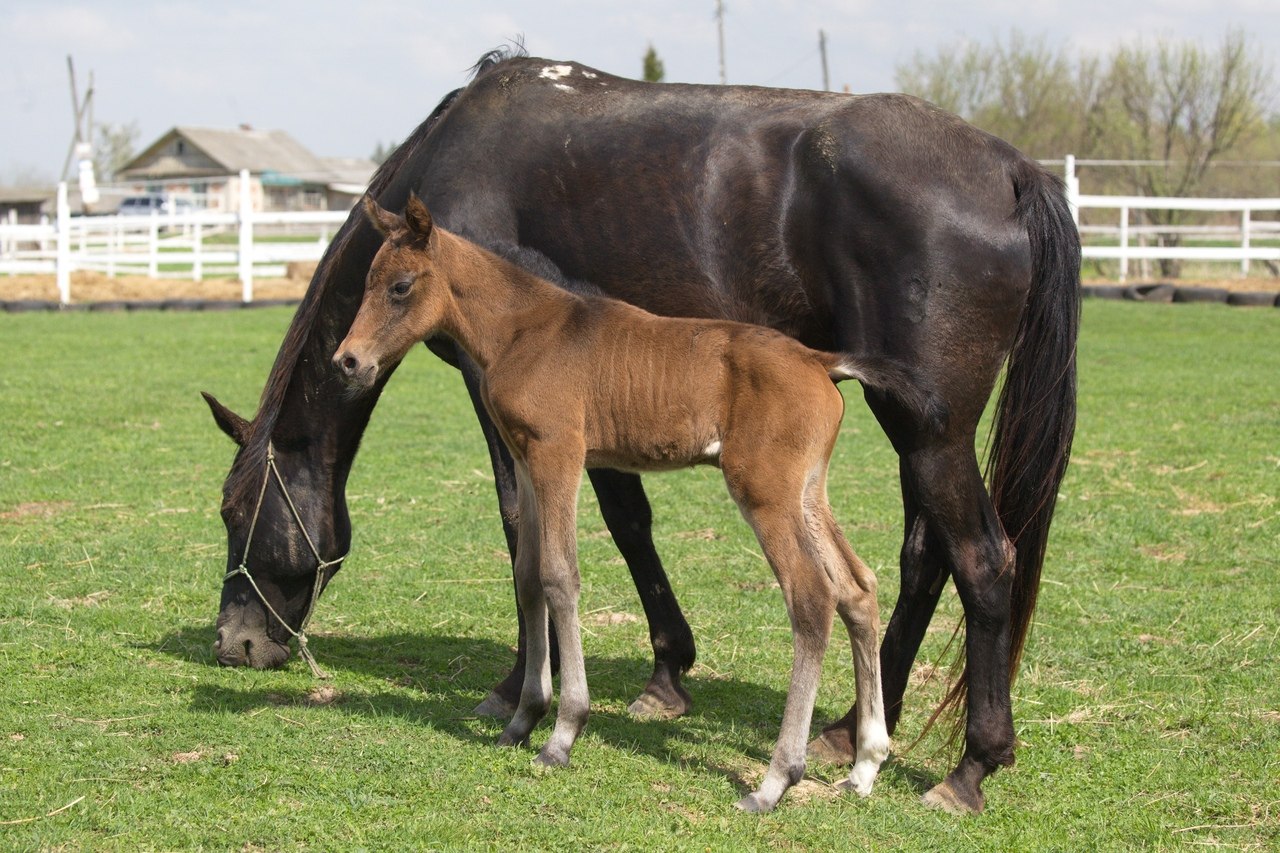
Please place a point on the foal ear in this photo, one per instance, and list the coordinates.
(228, 421)
(383, 220)
(417, 216)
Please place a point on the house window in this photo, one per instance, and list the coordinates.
(181, 147)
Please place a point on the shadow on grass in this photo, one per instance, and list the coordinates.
(435, 680)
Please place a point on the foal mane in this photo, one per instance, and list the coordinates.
(245, 477)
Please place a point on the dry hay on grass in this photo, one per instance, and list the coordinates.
(88, 286)
(1255, 284)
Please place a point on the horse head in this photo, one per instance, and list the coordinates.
(286, 529)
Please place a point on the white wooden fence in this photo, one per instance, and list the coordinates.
(167, 245)
(142, 245)
(1144, 242)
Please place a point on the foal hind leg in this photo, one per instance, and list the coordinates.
(788, 545)
(858, 607)
(627, 514)
(923, 573)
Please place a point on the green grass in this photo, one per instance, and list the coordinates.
(1148, 711)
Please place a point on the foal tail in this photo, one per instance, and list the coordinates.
(888, 377)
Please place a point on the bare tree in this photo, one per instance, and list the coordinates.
(1179, 107)
(115, 146)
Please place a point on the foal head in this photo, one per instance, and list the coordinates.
(405, 294)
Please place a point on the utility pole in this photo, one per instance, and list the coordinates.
(82, 140)
(720, 29)
(822, 49)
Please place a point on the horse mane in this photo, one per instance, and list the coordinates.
(246, 475)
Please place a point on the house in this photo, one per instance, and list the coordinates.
(203, 165)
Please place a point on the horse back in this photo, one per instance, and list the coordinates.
(875, 223)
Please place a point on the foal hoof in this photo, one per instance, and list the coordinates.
(495, 706)
(945, 797)
(752, 804)
(831, 748)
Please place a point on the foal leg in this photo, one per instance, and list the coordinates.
(558, 474)
(923, 573)
(535, 692)
(787, 543)
(856, 602)
(630, 521)
(502, 699)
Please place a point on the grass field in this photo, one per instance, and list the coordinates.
(1148, 710)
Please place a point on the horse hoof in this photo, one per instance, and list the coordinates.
(651, 707)
(946, 798)
(508, 739)
(825, 749)
(549, 758)
(495, 706)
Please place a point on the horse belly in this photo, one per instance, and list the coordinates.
(661, 433)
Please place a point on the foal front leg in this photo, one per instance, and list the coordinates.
(535, 691)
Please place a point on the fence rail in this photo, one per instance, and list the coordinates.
(197, 244)
(191, 244)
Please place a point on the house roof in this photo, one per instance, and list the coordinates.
(263, 152)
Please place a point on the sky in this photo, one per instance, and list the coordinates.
(344, 77)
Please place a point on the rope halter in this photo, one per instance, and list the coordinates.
(321, 564)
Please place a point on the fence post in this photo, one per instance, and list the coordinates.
(246, 238)
(197, 262)
(1073, 188)
(153, 246)
(63, 262)
(1124, 243)
(1244, 242)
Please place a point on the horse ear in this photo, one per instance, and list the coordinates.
(417, 216)
(383, 220)
(228, 421)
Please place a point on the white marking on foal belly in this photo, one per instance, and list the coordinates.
(712, 450)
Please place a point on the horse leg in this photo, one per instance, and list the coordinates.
(981, 557)
(856, 602)
(535, 693)
(627, 514)
(922, 573)
(502, 699)
(557, 474)
(773, 508)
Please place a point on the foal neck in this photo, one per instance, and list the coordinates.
(492, 301)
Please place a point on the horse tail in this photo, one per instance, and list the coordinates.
(1035, 417)
(1035, 414)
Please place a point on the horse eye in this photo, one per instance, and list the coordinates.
(401, 287)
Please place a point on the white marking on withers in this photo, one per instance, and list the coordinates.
(563, 88)
(556, 72)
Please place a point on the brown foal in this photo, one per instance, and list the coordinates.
(574, 382)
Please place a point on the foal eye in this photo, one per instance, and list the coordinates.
(401, 287)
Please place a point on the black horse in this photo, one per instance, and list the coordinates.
(875, 224)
